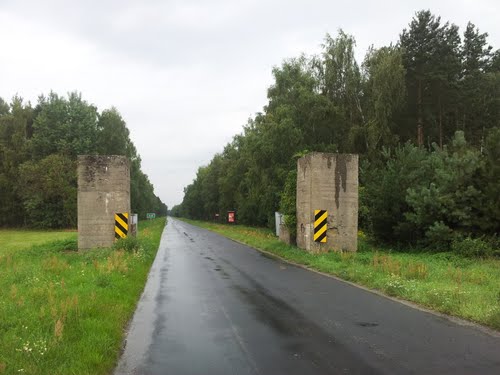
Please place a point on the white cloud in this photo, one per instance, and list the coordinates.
(187, 74)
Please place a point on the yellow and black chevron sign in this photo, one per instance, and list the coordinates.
(320, 225)
(121, 225)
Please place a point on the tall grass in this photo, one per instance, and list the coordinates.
(63, 311)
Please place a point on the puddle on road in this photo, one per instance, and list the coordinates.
(367, 324)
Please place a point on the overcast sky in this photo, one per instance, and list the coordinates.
(186, 75)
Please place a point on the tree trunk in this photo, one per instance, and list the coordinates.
(420, 122)
(440, 124)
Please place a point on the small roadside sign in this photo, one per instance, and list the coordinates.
(150, 215)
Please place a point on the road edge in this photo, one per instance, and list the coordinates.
(459, 321)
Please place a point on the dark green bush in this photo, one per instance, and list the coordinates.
(385, 185)
(489, 220)
(439, 236)
(287, 203)
(430, 198)
(472, 247)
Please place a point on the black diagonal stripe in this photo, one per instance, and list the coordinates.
(319, 214)
(117, 236)
(320, 225)
(321, 237)
(119, 226)
(123, 217)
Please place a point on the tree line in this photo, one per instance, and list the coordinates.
(423, 114)
(39, 146)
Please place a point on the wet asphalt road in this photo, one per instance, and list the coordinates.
(213, 306)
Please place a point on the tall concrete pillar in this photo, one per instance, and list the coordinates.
(328, 182)
(103, 190)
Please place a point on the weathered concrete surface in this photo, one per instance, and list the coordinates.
(328, 182)
(103, 190)
(285, 235)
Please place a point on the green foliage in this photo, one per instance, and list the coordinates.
(288, 206)
(364, 218)
(38, 150)
(439, 235)
(114, 135)
(431, 56)
(65, 312)
(384, 85)
(431, 197)
(408, 111)
(472, 247)
(129, 244)
(306, 97)
(490, 184)
(48, 191)
(64, 126)
(384, 195)
(15, 126)
(451, 193)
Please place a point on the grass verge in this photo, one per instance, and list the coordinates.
(17, 239)
(444, 282)
(63, 311)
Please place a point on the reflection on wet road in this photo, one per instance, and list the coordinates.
(212, 306)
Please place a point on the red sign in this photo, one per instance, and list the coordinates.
(231, 217)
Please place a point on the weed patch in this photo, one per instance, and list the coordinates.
(64, 311)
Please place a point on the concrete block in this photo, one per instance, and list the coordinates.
(103, 190)
(285, 235)
(328, 182)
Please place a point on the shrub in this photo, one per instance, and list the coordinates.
(287, 202)
(383, 197)
(472, 247)
(439, 236)
(450, 198)
(364, 219)
(428, 197)
(489, 221)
